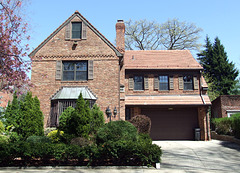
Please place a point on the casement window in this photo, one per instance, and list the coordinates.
(75, 71)
(163, 83)
(188, 82)
(76, 31)
(138, 83)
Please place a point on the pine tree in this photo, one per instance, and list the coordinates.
(79, 122)
(220, 74)
(97, 118)
(12, 112)
(25, 116)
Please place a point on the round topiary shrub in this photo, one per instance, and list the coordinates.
(115, 131)
(142, 123)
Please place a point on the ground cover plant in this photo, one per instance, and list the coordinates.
(83, 142)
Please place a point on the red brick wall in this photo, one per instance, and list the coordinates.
(105, 84)
(223, 103)
(151, 90)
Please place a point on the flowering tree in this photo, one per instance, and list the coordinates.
(13, 52)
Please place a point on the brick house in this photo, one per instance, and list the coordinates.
(225, 106)
(165, 85)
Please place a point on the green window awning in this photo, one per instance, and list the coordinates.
(72, 93)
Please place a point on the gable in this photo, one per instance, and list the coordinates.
(94, 43)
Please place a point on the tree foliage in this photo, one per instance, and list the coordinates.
(150, 35)
(81, 121)
(13, 31)
(25, 117)
(220, 74)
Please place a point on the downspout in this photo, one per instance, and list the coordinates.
(208, 137)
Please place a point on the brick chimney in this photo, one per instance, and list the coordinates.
(120, 35)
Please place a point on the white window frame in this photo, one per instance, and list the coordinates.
(231, 112)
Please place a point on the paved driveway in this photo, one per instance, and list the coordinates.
(200, 156)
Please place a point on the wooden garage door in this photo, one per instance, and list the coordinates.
(176, 124)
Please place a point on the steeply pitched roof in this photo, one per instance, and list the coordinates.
(160, 59)
(87, 23)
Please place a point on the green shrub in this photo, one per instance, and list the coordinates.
(97, 119)
(124, 152)
(115, 131)
(55, 136)
(4, 139)
(48, 130)
(236, 125)
(25, 116)
(142, 123)
(65, 118)
(80, 141)
(2, 128)
(223, 126)
(38, 139)
(77, 122)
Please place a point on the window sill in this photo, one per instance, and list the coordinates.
(138, 91)
(79, 81)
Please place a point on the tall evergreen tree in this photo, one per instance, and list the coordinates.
(219, 73)
(25, 116)
(12, 112)
(79, 122)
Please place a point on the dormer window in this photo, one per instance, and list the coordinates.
(76, 30)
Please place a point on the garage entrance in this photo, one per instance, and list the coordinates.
(175, 124)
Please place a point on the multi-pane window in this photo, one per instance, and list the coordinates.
(138, 83)
(163, 83)
(188, 82)
(75, 71)
(76, 30)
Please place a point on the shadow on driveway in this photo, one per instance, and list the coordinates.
(200, 156)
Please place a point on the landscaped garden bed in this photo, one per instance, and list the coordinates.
(82, 138)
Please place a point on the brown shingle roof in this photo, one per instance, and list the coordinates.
(160, 59)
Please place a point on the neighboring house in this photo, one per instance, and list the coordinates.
(225, 106)
(165, 85)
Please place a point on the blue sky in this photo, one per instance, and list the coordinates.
(216, 17)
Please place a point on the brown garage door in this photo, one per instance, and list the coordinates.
(176, 124)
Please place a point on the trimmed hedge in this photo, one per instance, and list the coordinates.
(115, 131)
(228, 126)
(223, 126)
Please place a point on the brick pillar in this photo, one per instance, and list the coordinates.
(203, 116)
